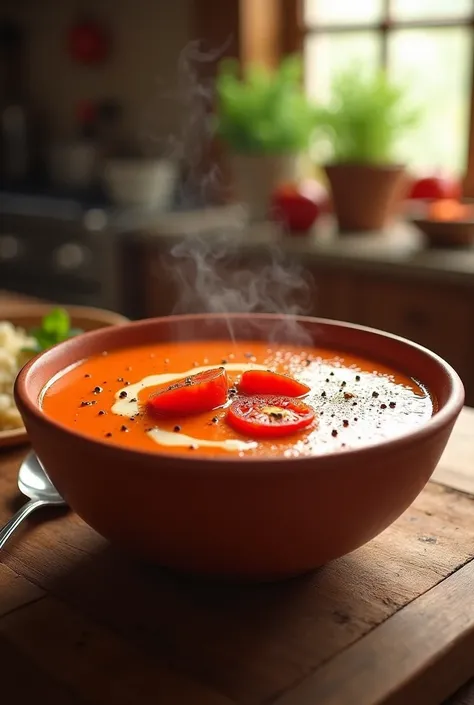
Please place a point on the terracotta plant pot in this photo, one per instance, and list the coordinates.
(364, 196)
(255, 177)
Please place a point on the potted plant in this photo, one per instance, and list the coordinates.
(265, 120)
(361, 126)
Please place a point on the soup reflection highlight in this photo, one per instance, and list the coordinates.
(356, 401)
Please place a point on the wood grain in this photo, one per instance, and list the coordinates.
(15, 591)
(417, 639)
(456, 467)
(96, 665)
(260, 640)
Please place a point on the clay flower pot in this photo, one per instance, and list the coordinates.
(364, 196)
(255, 177)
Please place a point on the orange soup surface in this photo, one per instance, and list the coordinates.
(356, 401)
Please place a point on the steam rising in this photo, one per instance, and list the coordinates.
(221, 272)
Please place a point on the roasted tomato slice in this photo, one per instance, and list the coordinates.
(266, 382)
(195, 394)
(269, 416)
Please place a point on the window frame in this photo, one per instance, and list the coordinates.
(296, 31)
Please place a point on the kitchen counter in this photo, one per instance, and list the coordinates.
(400, 250)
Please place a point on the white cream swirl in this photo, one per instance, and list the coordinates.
(126, 404)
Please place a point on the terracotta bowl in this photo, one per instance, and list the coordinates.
(446, 234)
(28, 315)
(234, 517)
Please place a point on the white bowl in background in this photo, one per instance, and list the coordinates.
(141, 182)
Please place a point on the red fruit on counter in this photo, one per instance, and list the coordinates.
(434, 187)
(298, 206)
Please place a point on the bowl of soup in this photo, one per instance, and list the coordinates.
(254, 447)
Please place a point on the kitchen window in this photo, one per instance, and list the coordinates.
(428, 45)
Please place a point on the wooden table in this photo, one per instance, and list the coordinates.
(390, 624)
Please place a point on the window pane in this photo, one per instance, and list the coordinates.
(342, 11)
(431, 9)
(436, 65)
(328, 54)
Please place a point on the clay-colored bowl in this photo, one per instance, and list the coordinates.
(28, 315)
(245, 518)
(446, 234)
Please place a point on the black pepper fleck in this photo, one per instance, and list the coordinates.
(383, 406)
(345, 423)
(88, 403)
(343, 383)
(87, 375)
(126, 384)
(331, 374)
(357, 378)
(323, 394)
(132, 401)
(98, 390)
(193, 447)
(123, 428)
(334, 432)
(102, 412)
(123, 394)
(355, 418)
(215, 419)
(223, 362)
(392, 404)
(327, 379)
(177, 429)
(375, 395)
(108, 435)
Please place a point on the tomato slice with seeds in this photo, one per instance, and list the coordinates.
(268, 416)
(195, 394)
(266, 382)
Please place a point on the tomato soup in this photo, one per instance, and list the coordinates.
(353, 401)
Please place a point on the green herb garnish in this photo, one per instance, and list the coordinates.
(55, 327)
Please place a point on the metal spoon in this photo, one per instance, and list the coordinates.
(35, 484)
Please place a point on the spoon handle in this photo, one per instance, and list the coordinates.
(17, 518)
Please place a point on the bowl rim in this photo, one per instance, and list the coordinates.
(17, 309)
(438, 420)
(31, 309)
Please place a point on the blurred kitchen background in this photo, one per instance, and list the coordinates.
(130, 146)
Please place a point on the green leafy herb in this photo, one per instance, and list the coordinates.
(264, 112)
(55, 327)
(365, 118)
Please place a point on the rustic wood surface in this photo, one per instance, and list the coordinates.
(390, 624)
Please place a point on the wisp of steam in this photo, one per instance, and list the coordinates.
(221, 272)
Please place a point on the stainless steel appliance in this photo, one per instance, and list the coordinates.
(59, 250)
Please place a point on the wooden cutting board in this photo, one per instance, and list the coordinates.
(390, 624)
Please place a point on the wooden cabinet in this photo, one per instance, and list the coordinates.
(440, 318)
